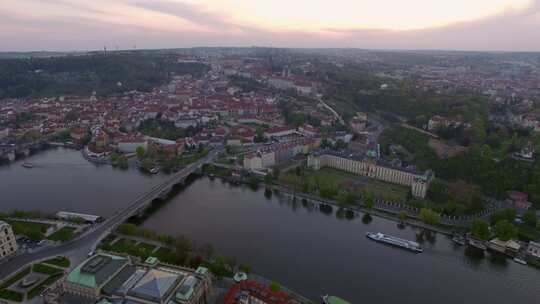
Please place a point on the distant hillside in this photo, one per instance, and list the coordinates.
(83, 74)
(43, 54)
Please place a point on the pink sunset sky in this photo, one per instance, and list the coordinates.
(76, 25)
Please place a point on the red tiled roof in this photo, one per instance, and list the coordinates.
(259, 291)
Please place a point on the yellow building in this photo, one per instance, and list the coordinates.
(359, 165)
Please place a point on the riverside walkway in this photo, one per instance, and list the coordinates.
(396, 208)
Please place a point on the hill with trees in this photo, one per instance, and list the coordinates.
(103, 73)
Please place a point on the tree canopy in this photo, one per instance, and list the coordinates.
(103, 73)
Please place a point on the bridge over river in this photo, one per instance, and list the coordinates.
(78, 248)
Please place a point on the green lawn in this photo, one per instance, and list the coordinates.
(329, 176)
(34, 231)
(53, 273)
(45, 269)
(165, 255)
(162, 251)
(39, 288)
(147, 247)
(323, 176)
(387, 191)
(16, 278)
(130, 247)
(11, 295)
(59, 261)
(63, 235)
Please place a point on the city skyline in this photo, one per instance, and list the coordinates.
(71, 25)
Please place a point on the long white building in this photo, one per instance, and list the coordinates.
(360, 165)
(8, 243)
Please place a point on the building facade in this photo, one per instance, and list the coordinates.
(111, 278)
(533, 251)
(278, 153)
(8, 243)
(419, 183)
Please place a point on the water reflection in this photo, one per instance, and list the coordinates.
(498, 260)
(366, 219)
(474, 256)
(424, 235)
(326, 209)
(268, 193)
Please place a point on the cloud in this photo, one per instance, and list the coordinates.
(86, 25)
(510, 30)
(192, 12)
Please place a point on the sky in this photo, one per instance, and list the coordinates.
(78, 25)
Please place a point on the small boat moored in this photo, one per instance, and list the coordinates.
(395, 241)
(459, 240)
(477, 244)
(333, 300)
(520, 261)
(27, 165)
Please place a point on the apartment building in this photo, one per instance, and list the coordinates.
(8, 243)
(278, 153)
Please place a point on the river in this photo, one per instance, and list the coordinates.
(62, 180)
(305, 249)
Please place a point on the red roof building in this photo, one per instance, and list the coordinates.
(251, 291)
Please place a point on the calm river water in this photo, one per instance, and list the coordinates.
(310, 251)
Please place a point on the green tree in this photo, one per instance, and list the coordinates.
(326, 144)
(141, 152)
(146, 164)
(328, 190)
(402, 216)
(259, 135)
(114, 158)
(505, 231)
(480, 229)
(127, 229)
(479, 131)
(167, 239)
(346, 197)
(530, 218)
(268, 179)
(275, 287)
(183, 244)
(245, 268)
(438, 191)
(368, 199)
(149, 234)
(429, 216)
(507, 214)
